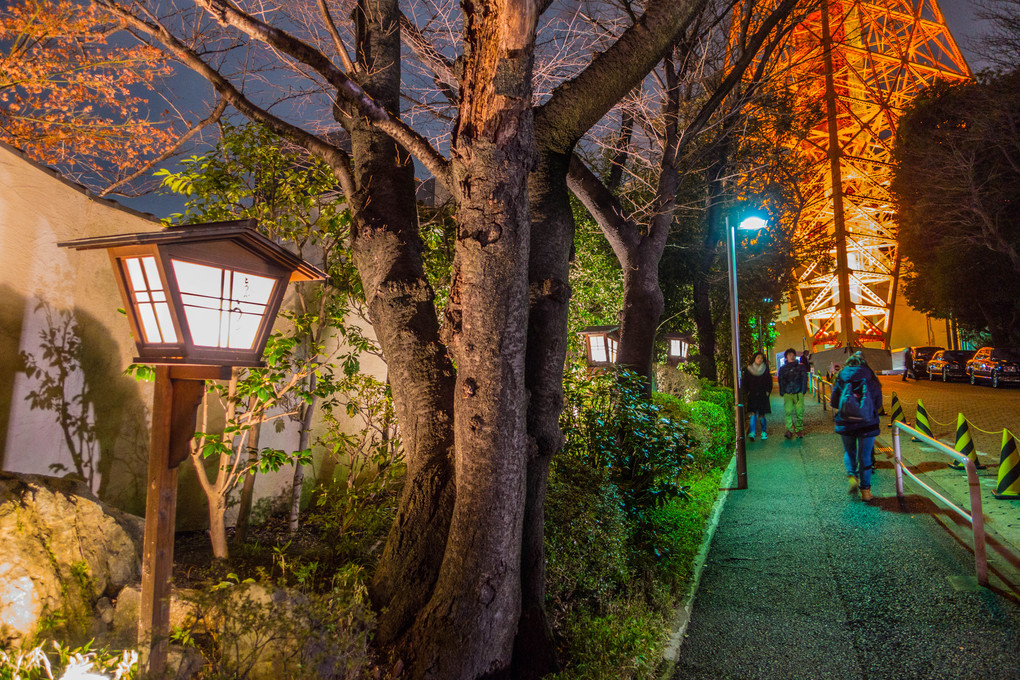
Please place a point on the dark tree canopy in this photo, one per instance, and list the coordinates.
(957, 179)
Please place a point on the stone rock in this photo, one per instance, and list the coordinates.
(63, 550)
(104, 610)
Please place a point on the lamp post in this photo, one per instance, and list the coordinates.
(748, 224)
(200, 299)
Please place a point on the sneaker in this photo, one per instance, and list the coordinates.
(764, 436)
(866, 495)
(751, 437)
(788, 435)
(800, 434)
(851, 484)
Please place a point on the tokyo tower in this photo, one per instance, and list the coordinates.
(857, 64)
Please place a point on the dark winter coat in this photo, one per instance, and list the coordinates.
(757, 389)
(793, 378)
(847, 378)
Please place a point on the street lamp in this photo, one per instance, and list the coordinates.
(600, 345)
(200, 299)
(752, 223)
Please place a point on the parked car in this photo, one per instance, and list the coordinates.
(921, 356)
(998, 365)
(949, 364)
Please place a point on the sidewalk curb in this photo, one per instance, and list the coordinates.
(683, 616)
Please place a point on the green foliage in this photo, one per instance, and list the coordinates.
(59, 661)
(612, 424)
(618, 559)
(680, 527)
(717, 394)
(587, 541)
(624, 642)
(596, 283)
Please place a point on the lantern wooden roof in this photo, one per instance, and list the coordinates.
(240, 232)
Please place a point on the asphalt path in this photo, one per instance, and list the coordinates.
(803, 580)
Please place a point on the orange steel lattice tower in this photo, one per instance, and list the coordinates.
(856, 65)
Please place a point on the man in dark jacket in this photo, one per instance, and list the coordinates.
(857, 430)
(793, 384)
(908, 363)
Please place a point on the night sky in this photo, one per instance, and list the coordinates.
(959, 15)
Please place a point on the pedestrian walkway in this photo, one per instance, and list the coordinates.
(805, 581)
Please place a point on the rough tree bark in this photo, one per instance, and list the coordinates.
(387, 251)
(467, 629)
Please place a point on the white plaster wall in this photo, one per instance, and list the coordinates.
(39, 284)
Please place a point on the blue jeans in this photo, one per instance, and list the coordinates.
(857, 457)
(759, 417)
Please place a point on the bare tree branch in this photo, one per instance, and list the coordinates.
(229, 15)
(221, 106)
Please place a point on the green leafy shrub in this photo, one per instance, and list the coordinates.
(612, 424)
(586, 538)
(679, 527)
(723, 396)
(717, 424)
(625, 642)
(710, 425)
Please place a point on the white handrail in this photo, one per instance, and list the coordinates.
(976, 516)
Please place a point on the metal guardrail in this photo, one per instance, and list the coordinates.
(975, 518)
(819, 387)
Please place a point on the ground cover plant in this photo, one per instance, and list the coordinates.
(628, 502)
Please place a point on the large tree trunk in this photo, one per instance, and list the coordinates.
(387, 251)
(467, 629)
(642, 308)
(552, 237)
(705, 326)
(714, 233)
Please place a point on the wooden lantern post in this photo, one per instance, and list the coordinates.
(201, 299)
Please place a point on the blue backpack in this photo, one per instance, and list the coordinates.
(855, 404)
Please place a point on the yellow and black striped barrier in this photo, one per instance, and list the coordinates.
(965, 444)
(921, 421)
(896, 411)
(1008, 486)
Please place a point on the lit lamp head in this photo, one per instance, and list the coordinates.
(600, 345)
(204, 294)
(752, 223)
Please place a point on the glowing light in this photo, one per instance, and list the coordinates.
(224, 308)
(149, 300)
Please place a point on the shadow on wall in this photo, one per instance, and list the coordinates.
(75, 372)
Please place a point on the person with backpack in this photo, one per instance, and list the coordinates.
(757, 383)
(793, 384)
(857, 399)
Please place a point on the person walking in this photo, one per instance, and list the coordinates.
(757, 383)
(856, 400)
(908, 363)
(793, 384)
